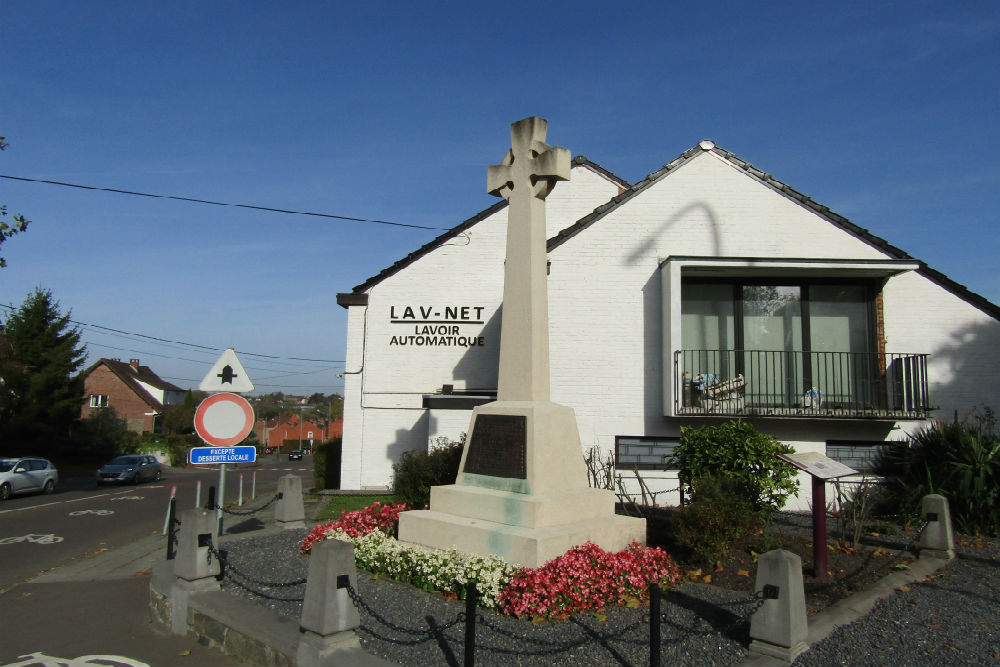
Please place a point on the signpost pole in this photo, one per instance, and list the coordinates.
(222, 495)
(819, 526)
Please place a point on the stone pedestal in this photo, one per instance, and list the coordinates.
(198, 530)
(289, 510)
(780, 627)
(528, 499)
(937, 540)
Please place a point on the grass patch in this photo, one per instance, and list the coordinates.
(351, 503)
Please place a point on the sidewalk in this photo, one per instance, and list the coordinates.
(97, 606)
(100, 606)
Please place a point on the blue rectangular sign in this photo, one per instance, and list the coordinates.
(210, 455)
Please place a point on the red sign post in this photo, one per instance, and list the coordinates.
(820, 469)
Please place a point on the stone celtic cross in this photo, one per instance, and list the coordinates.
(525, 177)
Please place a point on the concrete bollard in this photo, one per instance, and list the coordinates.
(197, 529)
(780, 628)
(192, 567)
(329, 616)
(289, 511)
(937, 540)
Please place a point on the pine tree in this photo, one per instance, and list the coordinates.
(41, 390)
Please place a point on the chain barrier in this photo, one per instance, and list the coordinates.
(758, 599)
(228, 569)
(427, 634)
(226, 510)
(916, 538)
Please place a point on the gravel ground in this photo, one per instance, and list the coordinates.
(952, 618)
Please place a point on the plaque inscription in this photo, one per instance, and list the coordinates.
(498, 447)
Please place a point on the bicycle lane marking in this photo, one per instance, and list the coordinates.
(57, 502)
(77, 500)
(42, 660)
(50, 538)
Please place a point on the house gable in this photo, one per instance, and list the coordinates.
(128, 388)
(881, 247)
(571, 198)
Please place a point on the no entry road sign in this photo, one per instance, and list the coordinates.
(210, 455)
(223, 420)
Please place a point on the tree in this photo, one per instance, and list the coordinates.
(6, 229)
(41, 389)
(179, 418)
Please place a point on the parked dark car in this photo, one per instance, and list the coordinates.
(295, 455)
(25, 475)
(130, 469)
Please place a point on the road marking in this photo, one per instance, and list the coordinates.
(127, 498)
(37, 539)
(39, 659)
(97, 512)
(57, 502)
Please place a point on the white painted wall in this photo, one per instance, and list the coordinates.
(606, 318)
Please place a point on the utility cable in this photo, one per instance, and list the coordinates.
(267, 209)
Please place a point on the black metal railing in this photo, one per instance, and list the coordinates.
(763, 383)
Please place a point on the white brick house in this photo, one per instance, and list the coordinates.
(707, 291)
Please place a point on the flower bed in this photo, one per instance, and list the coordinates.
(584, 578)
(375, 517)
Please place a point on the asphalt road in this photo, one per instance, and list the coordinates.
(42, 532)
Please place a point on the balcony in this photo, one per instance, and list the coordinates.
(817, 385)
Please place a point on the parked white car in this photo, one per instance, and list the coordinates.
(26, 475)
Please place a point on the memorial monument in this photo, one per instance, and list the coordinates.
(522, 490)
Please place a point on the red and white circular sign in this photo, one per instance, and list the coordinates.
(223, 420)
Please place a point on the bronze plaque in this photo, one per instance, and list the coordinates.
(498, 447)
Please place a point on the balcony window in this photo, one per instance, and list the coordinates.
(787, 347)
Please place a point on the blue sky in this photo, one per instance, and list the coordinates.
(885, 112)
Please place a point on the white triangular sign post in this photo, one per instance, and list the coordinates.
(227, 374)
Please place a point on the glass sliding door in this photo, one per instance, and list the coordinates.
(708, 332)
(772, 341)
(840, 344)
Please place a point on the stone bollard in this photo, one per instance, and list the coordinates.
(289, 511)
(194, 569)
(329, 616)
(937, 540)
(779, 628)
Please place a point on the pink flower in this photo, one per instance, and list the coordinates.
(357, 523)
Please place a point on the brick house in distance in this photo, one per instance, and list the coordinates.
(315, 432)
(137, 394)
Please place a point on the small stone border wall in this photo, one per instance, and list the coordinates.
(238, 627)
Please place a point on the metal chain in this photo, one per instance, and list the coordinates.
(916, 537)
(270, 502)
(229, 567)
(757, 598)
(263, 594)
(362, 606)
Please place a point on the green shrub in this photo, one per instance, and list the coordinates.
(102, 436)
(178, 445)
(417, 471)
(326, 463)
(738, 451)
(960, 461)
(716, 519)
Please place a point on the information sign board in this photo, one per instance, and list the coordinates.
(818, 465)
(215, 455)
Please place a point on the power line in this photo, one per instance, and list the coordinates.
(267, 209)
(167, 343)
